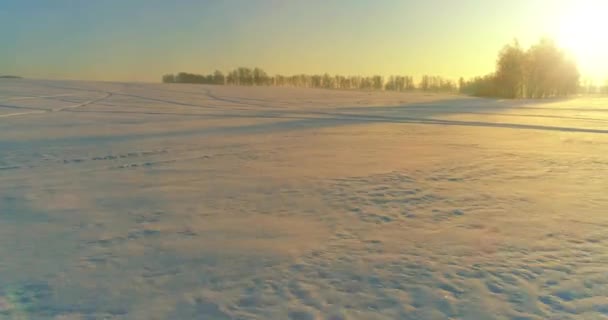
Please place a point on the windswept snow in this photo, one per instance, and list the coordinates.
(145, 201)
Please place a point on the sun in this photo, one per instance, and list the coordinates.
(583, 31)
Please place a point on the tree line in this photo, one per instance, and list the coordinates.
(588, 87)
(257, 77)
(542, 71)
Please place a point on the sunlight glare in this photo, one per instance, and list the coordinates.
(582, 32)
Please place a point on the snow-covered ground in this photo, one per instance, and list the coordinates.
(150, 201)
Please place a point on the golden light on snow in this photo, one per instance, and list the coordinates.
(582, 31)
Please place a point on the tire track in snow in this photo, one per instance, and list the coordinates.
(37, 97)
(22, 113)
(79, 105)
(83, 104)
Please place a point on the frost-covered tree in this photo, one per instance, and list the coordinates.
(218, 77)
(542, 71)
(168, 78)
(510, 70)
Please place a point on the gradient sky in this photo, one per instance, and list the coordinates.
(139, 40)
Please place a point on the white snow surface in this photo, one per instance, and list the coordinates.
(158, 201)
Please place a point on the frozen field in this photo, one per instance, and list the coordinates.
(150, 201)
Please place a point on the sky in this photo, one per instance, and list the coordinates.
(140, 40)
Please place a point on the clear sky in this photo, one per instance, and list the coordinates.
(139, 40)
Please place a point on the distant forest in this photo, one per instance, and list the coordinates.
(258, 77)
(542, 71)
(9, 77)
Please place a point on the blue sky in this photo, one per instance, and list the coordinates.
(140, 40)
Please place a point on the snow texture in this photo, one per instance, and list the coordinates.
(149, 201)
